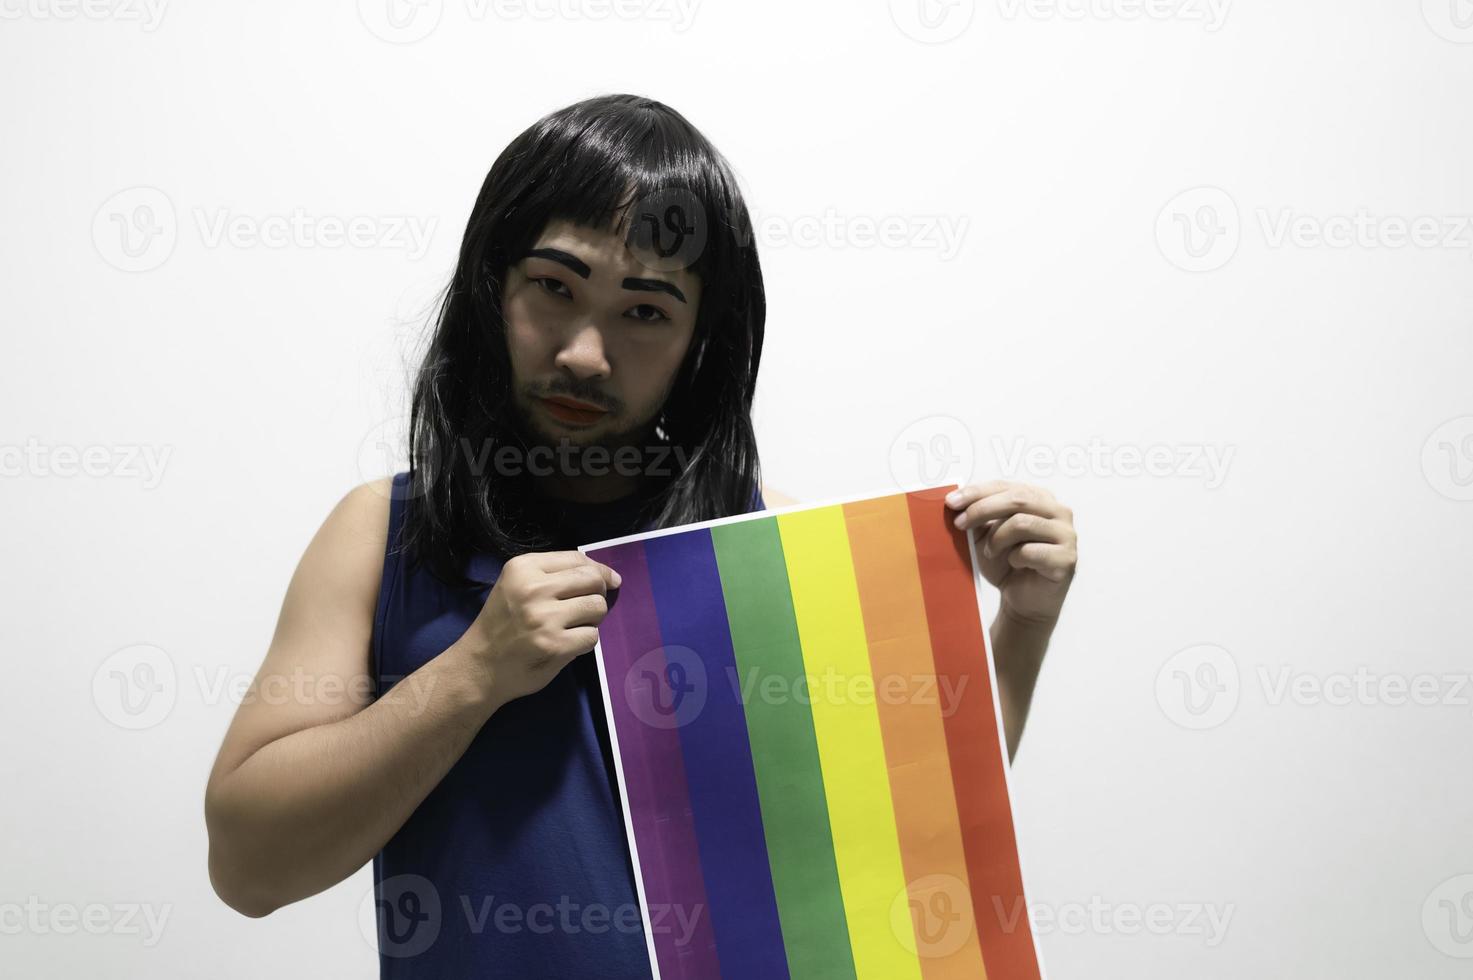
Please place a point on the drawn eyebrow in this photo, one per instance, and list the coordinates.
(655, 286)
(580, 268)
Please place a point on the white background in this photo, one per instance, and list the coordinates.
(1071, 146)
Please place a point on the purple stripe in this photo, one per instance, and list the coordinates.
(718, 758)
(654, 772)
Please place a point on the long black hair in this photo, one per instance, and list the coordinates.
(589, 163)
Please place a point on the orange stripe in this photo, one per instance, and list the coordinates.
(935, 916)
(973, 735)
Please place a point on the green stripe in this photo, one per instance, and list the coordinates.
(795, 815)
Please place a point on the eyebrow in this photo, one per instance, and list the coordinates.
(580, 269)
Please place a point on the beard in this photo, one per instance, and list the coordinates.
(534, 432)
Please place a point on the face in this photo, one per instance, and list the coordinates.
(598, 332)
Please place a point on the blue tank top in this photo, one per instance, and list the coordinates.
(516, 864)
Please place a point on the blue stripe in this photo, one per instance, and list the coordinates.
(718, 761)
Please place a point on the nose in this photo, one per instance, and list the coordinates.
(582, 354)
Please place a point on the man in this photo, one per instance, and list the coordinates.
(607, 308)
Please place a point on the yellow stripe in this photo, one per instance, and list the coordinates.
(851, 751)
(882, 550)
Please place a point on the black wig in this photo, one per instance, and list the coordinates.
(592, 163)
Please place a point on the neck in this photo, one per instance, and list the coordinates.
(586, 489)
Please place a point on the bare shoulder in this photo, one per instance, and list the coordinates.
(776, 498)
(346, 556)
(364, 510)
(337, 579)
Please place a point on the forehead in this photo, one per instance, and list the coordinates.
(606, 251)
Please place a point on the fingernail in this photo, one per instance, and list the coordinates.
(954, 497)
(957, 520)
(617, 579)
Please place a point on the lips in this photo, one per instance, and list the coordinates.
(573, 411)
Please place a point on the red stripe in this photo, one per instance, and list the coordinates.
(973, 740)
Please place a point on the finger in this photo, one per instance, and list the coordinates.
(1017, 499)
(1022, 527)
(557, 561)
(560, 646)
(583, 610)
(593, 578)
(551, 562)
(581, 640)
(1054, 562)
(962, 496)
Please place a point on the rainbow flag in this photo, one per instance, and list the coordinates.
(808, 745)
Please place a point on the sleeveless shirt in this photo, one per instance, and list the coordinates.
(516, 864)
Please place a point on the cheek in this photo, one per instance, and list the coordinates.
(526, 344)
(652, 363)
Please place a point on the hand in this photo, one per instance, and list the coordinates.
(543, 611)
(1026, 546)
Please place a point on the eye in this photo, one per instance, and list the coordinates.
(643, 310)
(552, 286)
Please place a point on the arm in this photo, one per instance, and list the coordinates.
(1027, 549)
(1018, 649)
(311, 779)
